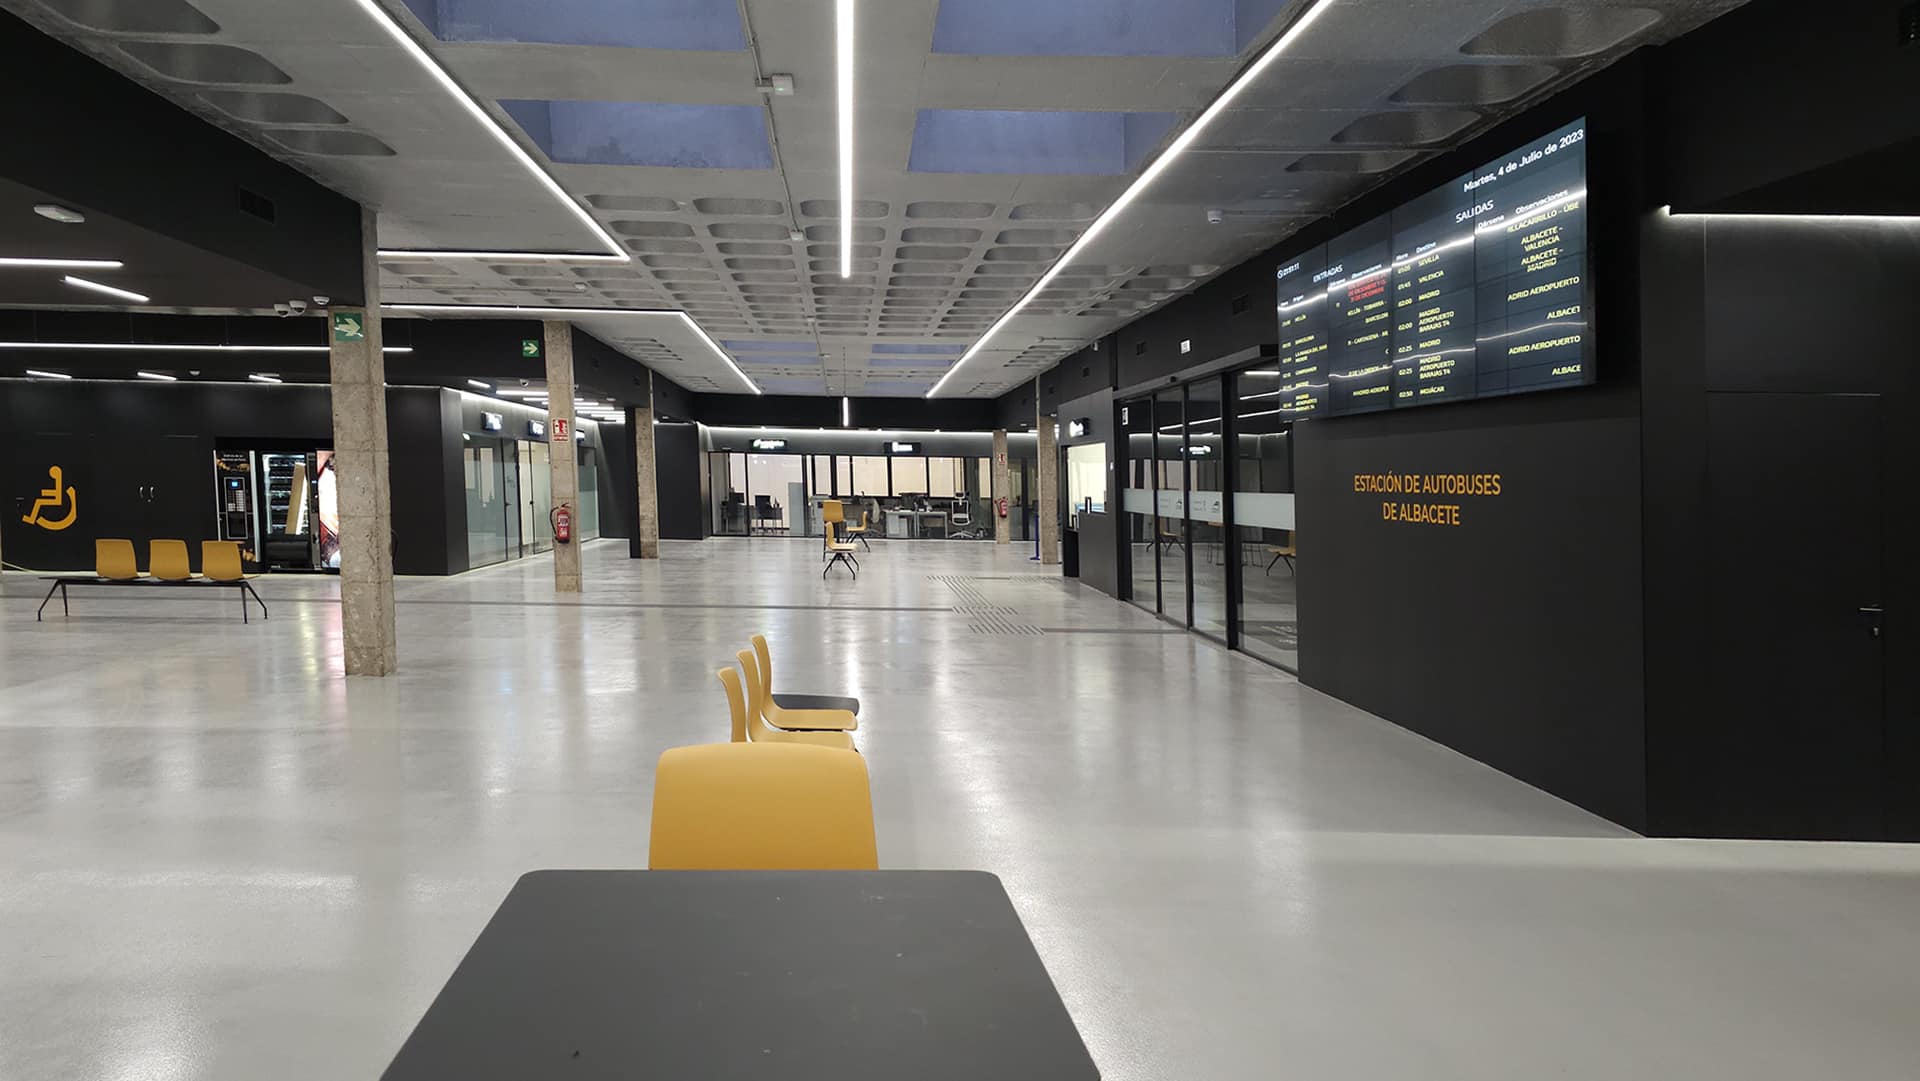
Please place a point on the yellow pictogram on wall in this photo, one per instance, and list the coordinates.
(50, 500)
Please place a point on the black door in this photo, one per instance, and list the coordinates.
(49, 532)
(1796, 678)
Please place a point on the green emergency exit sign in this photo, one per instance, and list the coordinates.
(529, 347)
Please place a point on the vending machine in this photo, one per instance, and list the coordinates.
(236, 501)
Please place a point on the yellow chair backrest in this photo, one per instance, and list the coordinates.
(736, 702)
(832, 511)
(830, 541)
(758, 730)
(114, 559)
(764, 659)
(761, 807)
(220, 560)
(167, 560)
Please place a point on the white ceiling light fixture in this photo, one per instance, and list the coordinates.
(264, 377)
(123, 294)
(38, 374)
(843, 21)
(846, 412)
(65, 215)
(168, 347)
(64, 264)
(500, 134)
(553, 313)
(161, 376)
(479, 384)
(523, 393)
(1159, 165)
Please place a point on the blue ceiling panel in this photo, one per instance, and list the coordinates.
(1034, 142)
(645, 133)
(782, 360)
(785, 347)
(901, 387)
(921, 350)
(1089, 27)
(635, 24)
(792, 386)
(909, 362)
(1252, 16)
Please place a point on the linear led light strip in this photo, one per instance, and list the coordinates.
(548, 313)
(843, 20)
(1174, 149)
(492, 127)
(158, 347)
(68, 264)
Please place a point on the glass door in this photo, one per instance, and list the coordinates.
(1263, 518)
(1136, 500)
(1170, 504)
(1206, 508)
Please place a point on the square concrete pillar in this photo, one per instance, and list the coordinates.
(360, 466)
(562, 459)
(1047, 492)
(1002, 485)
(646, 480)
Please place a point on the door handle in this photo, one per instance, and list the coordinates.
(1874, 612)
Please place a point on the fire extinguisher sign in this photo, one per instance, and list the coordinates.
(559, 429)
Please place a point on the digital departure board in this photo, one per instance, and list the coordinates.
(1475, 289)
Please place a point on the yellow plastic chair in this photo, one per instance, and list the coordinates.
(167, 561)
(859, 532)
(761, 807)
(801, 711)
(113, 560)
(220, 562)
(743, 699)
(840, 552)
(832, 513)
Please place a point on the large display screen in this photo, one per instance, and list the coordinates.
(1478, 288)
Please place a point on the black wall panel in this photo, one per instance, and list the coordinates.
(1514, 636)
(682, 468)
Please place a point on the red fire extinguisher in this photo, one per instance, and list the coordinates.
(1003, 506)
(563, 524)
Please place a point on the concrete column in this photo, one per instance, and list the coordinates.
(1047, 498)
(646, 479)
(360, 466)
(1002, 483)
(562, 459)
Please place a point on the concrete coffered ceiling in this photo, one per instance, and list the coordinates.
(988, 135)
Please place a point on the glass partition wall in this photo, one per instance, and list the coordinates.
(1207, 502)
(901, 495)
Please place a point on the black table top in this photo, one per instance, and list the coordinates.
(789, 975)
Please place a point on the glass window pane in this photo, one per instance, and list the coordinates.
(486, 503)
(1263, 518)
(842, 475)
(769, 494)
(942, 483)
(869, 476)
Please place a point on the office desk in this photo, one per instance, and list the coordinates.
(794, 975)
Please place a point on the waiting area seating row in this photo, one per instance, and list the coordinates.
(114, 564)
(787, 792)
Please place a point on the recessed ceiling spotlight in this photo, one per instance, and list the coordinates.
(62, 214)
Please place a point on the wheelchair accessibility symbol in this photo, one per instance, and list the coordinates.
(50, 500)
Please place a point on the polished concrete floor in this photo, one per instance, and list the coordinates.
(220, 859)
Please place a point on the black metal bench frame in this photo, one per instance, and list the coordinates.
(60, 586)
